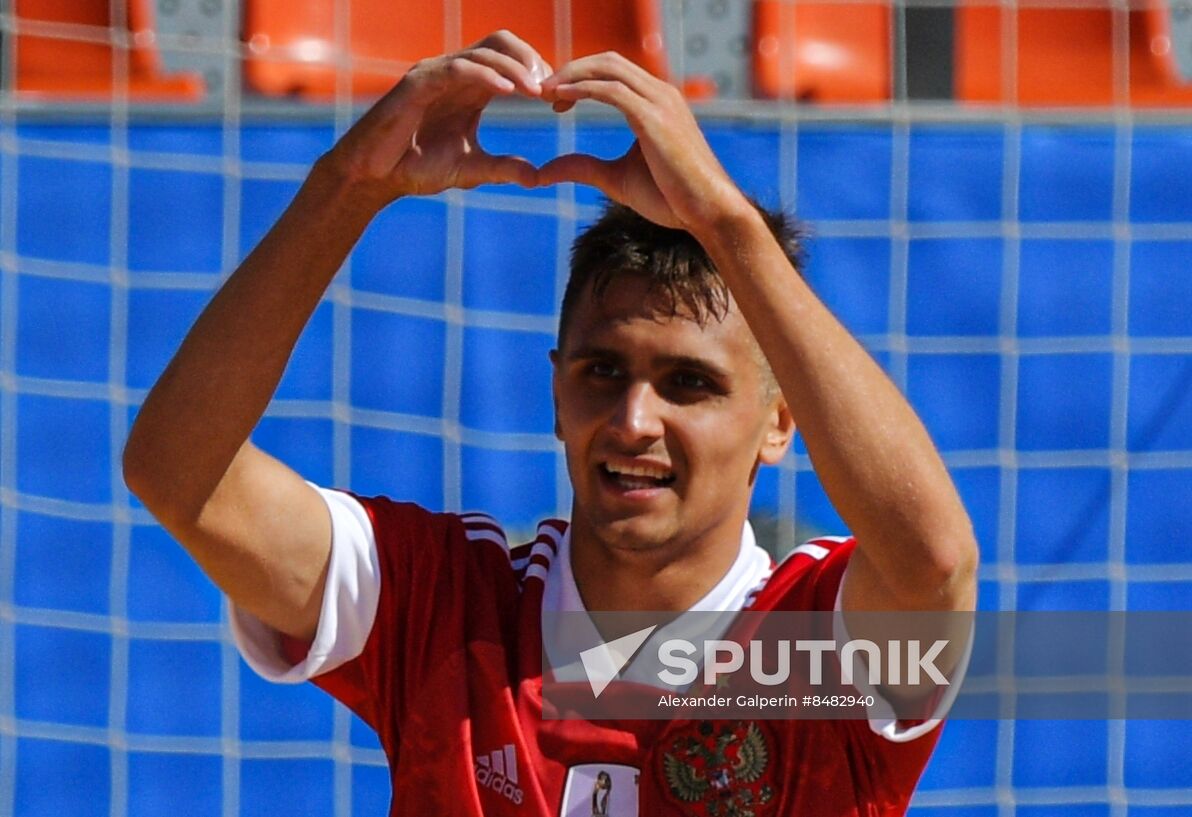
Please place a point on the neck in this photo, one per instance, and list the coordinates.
(667, 578)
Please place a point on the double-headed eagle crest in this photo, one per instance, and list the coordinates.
(720, 769)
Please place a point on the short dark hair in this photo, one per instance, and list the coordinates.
(679, 271)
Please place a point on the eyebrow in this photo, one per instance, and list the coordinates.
(678, 361)
(586, 352)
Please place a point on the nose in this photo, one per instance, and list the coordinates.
(638, 414)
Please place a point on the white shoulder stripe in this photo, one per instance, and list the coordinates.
(550, 532)
(536, 570)
(540, 549)
(477, 534)
(814, 551)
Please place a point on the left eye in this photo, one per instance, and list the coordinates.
(690, 380)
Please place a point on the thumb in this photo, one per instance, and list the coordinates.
(488, 169)
(582, 169)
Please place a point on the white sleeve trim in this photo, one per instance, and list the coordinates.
(882, 719)
(349, 603)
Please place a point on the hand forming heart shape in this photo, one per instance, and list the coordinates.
(421, 137)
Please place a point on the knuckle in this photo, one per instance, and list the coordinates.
(502, 36)
(421, 68)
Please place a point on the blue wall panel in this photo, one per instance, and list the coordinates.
(1160, 288)
(955, 175)
(175, 220)
(1066, 174)
(1064, 402)
(506, 381)
(953, 286)
(41, 790)
(63, 193)
(174, 688)
(59, 326)
(516, 273)
(1065, 288)
(64, 564)
(65, 448)
(1161, 175)
(397, 362)
(399, 464)
(62, 676)
(181, 785)
(404, 251)
(844, 173)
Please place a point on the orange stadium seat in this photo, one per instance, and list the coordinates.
(294, 46)
(1065, 57)
(834, 53)
(66, 49)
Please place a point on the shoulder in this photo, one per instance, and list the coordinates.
(402, 527)
(808, 578)
(404, 524)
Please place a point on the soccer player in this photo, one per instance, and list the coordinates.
(689, 349)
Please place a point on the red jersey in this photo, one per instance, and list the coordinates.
(450, 678)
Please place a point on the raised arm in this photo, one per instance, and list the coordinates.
(254, 526)
(915, 547)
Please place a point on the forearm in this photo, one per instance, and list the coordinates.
(872, 454)
(214, 391)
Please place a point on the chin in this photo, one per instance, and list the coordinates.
(635, 534)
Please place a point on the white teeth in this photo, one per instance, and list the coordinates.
(638, 471)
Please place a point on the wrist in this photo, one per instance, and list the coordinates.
(730, 224)
(336, 185)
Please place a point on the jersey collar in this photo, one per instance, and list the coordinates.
(749, 570)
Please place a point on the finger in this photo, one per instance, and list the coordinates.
(607, 66)
(392, 121)
(512, 69)
(561, 106)
(487, 169)
(445, 76)
(610, 92)
(509, 43)
(582, 169)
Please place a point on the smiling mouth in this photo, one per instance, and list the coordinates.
(637, 478)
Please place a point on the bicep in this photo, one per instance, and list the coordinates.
(264, 537)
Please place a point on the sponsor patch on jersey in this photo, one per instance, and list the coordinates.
(600, 790)
(717, 768)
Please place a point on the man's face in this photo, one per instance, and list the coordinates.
(664, 422)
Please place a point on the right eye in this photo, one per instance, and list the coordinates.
(603, 369)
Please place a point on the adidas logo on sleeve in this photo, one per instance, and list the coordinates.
(497, 771)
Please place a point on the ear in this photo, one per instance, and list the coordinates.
(779, 431)
(554, 390)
